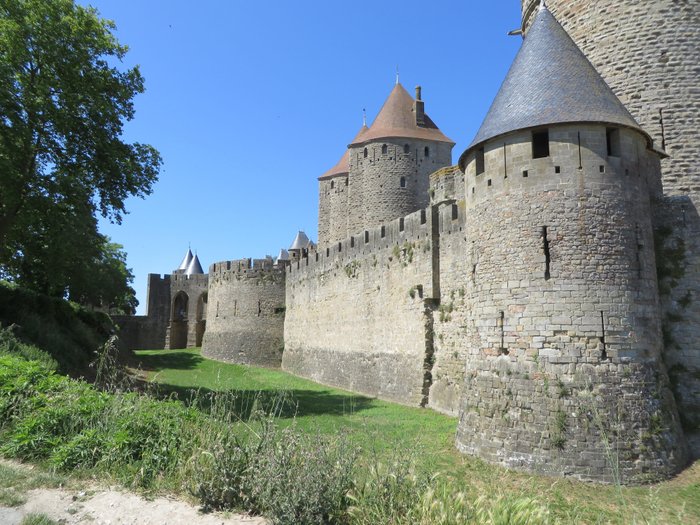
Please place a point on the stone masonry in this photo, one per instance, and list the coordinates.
(546, 290)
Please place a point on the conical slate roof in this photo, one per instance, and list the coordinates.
(283, 255)
(300, 241)
(551, 82)
(194, 267)
(397, 118)
(343, 166)
(185, 262)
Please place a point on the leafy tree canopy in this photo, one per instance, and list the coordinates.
(63, 103)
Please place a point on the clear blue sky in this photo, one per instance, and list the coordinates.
(249, 102)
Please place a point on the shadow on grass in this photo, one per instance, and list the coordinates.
(244, 403)
(169, 360)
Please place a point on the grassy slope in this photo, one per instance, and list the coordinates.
(392, 431)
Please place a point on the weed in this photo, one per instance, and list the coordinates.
(37, 519)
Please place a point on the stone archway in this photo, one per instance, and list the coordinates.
(179, 321)
(201, 318)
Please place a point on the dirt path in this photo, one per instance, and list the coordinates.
(112, 507)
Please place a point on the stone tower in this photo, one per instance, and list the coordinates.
(246, 320)
(333, 199)
(564, 367)
(648, 52)
(389, 163)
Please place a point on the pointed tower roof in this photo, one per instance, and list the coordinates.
(551, 82)
(397, 118)
(194, 268)
(185, 262)
(283, 255)
(300, 241)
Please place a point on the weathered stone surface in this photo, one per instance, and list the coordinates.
(246, 317)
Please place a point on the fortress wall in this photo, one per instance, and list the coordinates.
(148, 332)
(564, 361)
(356, 312)
(451, 315)
(677, 239)
(246, 320)
(648, 52)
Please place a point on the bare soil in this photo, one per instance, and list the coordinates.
(108, 506)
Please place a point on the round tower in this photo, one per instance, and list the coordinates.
(246, 318)
(564, 372)
(648, 53)
(390, 163)
(333, 199)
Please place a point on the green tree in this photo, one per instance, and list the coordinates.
(63, 103)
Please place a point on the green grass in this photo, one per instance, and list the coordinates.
(387, 431)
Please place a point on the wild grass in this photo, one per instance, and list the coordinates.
(396, 439)
(295, 451)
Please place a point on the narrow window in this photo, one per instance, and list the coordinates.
(346, 182)
(332, 184)
(385, 149)
(402, 182)
(259, 308)
(525, 173)
(422, 216)
(540, 144)
(383, 231)
(604, 350)
(601, 168)
(426, 152)
(455, 212)
(480, 161)
(488, 182)
(557, 169)
(328, 252)
(406, 148)
(366, 236)
(352, 242)
(340, 247)
(365, 152)
(545, 249)
(401, 224)
(612, 140)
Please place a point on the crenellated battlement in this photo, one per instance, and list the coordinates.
(245, 268)
(415, 227)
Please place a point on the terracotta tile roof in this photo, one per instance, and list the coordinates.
(397, 119)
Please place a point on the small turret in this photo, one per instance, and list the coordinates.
(299, 247)
(195, 267)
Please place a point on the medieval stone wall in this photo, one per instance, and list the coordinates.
(450, 316)
(148, 332)
(359, 312)
(246, 320)
(563, 344)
